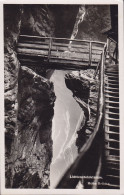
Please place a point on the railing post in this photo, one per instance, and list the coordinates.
(50, 46)
(90, 53)
(107, 45)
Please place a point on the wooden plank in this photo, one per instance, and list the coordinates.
(96, 52)
(72, 45)
(33, 46)
(31, 51)
(63, 61)
(95, 56)
(97, 48)
(32, 38)
(60, 44)
(45, 42)
(72, 49)
(56, 48)
(69, 55)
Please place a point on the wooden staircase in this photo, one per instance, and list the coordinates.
(111, 127)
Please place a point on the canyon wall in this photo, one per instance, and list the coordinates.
(29, 102)
(96, 22)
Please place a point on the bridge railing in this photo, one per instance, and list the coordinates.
(60, 49)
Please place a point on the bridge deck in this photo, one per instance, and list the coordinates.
(47, 51)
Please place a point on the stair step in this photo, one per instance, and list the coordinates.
(113, 176)
(111, 125)
(111, 84)
(108, 101)
(113, 99)
(108, 106)
(111, 132)
(111, 140)
(112, 77)
(112, 89)
(111, 92)
(111, 96)
(113, 159)
(112, 116)
(113, 113)
(112, 74)
(112, 81)
(108, 118)
(114, 165)
(110, 148)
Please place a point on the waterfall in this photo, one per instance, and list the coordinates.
(79, 19)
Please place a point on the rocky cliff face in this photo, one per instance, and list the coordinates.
(29, 97)
(28, 165)
(12, 22)
(29, 102)
(85, 91)
(97, 20)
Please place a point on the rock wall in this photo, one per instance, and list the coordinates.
(29, 102)
(85, 91)
(31, 151)
(12, 23)
(97, 20)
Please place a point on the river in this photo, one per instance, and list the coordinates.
(66, 121)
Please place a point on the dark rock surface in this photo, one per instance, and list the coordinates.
(85, 91)
(29, 110)
(65, 16)
(37, 20)
(28, 166)
(97, 20)
(12, 22)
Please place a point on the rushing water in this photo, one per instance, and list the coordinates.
(67, 118)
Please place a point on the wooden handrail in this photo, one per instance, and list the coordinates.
(55, 38)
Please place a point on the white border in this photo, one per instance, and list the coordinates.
(121, 72)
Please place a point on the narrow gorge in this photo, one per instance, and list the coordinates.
(49, 114)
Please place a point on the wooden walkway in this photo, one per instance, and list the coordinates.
(58, 53)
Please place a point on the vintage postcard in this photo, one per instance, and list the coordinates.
(62, 78)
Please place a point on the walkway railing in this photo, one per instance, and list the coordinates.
(112, 49)
(32, 49)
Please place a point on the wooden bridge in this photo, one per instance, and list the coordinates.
(58, 53)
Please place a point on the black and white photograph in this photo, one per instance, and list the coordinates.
(61, 96)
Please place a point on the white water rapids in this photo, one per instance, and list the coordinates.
(67, 119)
